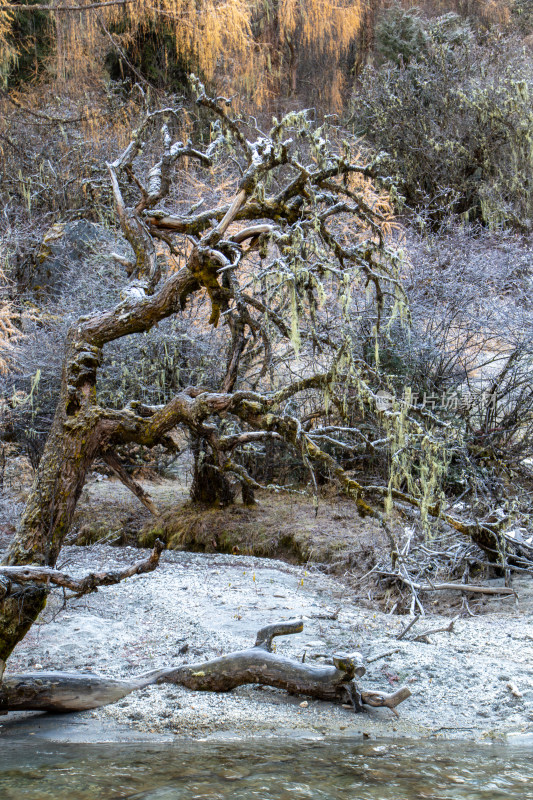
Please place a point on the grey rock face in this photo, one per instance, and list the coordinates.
(68, 246)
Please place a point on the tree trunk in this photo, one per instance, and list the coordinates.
(210, 485)
(248, 494)
(69, 452)
(80, 430)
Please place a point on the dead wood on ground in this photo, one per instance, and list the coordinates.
(62, 691)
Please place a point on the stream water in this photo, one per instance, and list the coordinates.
(342, 770)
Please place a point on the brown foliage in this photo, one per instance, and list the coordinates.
(258, 47)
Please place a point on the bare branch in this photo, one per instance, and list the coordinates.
(422, 637)
(238, 439)
(112, 461)
(408, 627)
(465, 588)
(84, 585)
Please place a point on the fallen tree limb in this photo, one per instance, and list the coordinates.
(383, 655)
(85, 585)
(422, 637)
(408, 627)
(465, 587)
(61, 691)
(460, 587)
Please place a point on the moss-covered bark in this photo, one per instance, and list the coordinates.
(70, 449)
(210, 485)
(17, 614)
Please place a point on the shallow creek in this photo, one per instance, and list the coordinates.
(350, 769)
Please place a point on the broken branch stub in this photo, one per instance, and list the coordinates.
(265, 635)
(61, 691)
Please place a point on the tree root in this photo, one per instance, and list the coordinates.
(62, 691)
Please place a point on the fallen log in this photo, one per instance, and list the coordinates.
(63, 691)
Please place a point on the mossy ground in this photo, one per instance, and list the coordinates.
(277, 526)
(108, 512)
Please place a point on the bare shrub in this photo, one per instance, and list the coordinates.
(454, 115)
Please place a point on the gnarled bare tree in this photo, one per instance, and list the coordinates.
(280, 263)
(281, 257)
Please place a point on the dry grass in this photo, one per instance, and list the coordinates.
(107, 511)
(278, 526)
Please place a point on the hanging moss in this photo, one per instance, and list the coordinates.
(26, 47)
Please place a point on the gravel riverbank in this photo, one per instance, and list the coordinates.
(475, 682)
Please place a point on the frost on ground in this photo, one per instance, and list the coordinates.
(474, 682)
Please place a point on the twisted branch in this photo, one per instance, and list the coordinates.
(85, 585)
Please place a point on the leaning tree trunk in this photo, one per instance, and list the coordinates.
(81, 430)
(70, 449)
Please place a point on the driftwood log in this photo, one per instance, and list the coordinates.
(63, 691)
